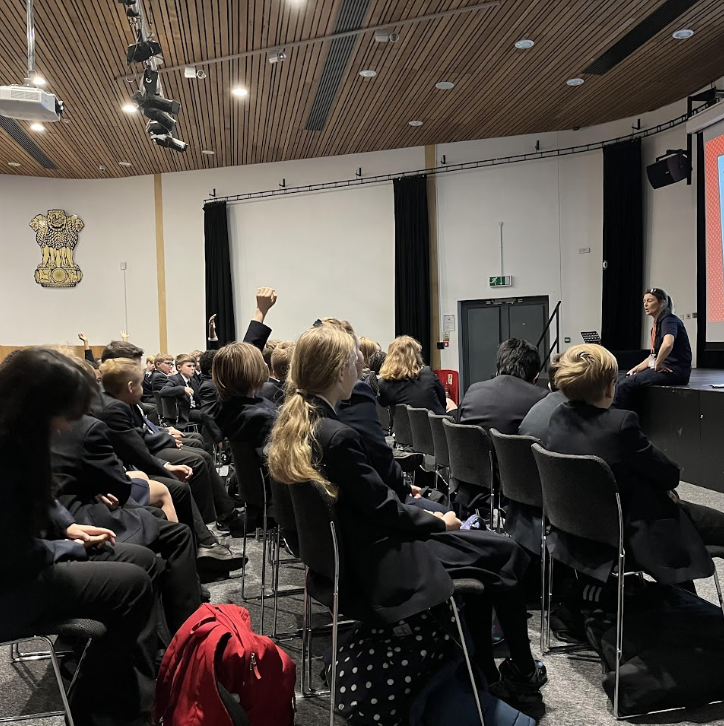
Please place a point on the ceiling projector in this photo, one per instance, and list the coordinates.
(29, 104)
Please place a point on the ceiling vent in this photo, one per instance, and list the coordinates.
(19, 136)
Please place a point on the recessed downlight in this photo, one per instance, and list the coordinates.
(207, 152)
(38, 80)
(37, 127)
(524, 44)
(240, 91)
(575, 82)
(368, 73)
(129, 108)
(682, 34)
(124, 163)
(445, 85)
(13, 163)
(415, 123)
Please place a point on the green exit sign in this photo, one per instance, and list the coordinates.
(501, 281)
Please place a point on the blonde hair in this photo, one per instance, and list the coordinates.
(340, 325)
(320, 355)
(150, 359)
(585, 371)
(117, 373)
(281, 359)
(368, 347)
(269, 349)
(238, 369)
(162, 358)
(184, 358)
(404, 359)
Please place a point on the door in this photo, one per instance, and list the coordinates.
(485, 324)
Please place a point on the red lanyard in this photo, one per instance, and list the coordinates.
(653, 337)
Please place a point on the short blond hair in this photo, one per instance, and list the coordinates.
(117, 373)
(340, 324)
(184, 358)
(281, 358)
(584, 372)
(404, 359)
(268, 350)
(162, 358)
(238, 369)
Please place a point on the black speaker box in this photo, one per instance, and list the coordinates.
(669, 170)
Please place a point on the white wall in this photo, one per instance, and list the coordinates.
(118, 216)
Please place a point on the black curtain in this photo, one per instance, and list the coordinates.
(219, 291)
(412, 261)
(623, 246)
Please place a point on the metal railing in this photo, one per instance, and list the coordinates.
(555, 315)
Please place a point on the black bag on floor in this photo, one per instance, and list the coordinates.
(673, 651)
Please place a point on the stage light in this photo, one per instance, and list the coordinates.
(276, 56)
(132, 10)
(169, 142)
(129, 108)
(160, 117)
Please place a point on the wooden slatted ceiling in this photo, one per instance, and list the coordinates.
(499, 90)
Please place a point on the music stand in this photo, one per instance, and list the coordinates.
(591, 336)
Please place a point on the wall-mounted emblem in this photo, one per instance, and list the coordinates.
(57, 236)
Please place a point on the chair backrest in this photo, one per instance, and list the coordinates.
(421, 431)
(471, 454)
(283, 506)
(314, 511)
(383, 414)
(439, 440)
(519, 477)
(401, 425)
(580, 496)
(157, 399)
(169, 408)
(249, 473)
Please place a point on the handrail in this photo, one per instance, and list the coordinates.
(556, 343)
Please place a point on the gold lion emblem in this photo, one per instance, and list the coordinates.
(57, 236)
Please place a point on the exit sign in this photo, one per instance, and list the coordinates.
(501, 281)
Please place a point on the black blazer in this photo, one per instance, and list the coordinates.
(273, 390)
(208, 395)
(501, 403)
(131, 444)
(176, 388)
(385, 556)
(360, 414)
(425, 391)
(153, 382)
(661, 537)
(84, 465)
(248, 420)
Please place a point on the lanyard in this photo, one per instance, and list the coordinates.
(653, 337)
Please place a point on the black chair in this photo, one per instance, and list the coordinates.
(401, 427)
(322, 552)
(71, 628)
(471, 461)
(439, 440)
(159, 408)
(170, 414)
(383, 413)
(252, 486)
(422, 440)
(519, 479)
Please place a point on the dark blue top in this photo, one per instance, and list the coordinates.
(679, 359)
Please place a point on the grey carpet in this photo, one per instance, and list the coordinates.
(573, 696)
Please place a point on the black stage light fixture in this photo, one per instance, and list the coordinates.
(162, 104)
(142, 50)
(132, 10)
(672, 167)
(153, 128)
(161, 117)
(169, 142)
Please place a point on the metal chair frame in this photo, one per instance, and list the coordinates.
(169, 412)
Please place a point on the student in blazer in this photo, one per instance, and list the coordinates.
(400, 557)
(665, 535)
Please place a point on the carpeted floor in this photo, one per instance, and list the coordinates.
(573, 696)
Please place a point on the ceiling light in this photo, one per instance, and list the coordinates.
(415, 123)
(189, 71)
(37, 127)
(124, 163)
(207, 152)
(13, 163)
(38, 80)
(682, 34)
(240, 91)
(129, 108)
(524, 44)
(445, 85)
(276, 56)
(575, 82)
(368, 73)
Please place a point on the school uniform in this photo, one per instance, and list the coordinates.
(424, 391)
(153, 382)
(273, 390)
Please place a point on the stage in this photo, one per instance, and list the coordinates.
(687, 424)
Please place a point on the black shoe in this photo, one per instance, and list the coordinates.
(218, 558)
(521, 691)
(232, 524)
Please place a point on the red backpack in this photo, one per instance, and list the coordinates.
(217, 644)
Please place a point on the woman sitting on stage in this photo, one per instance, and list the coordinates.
(669, 363)
(400, 557)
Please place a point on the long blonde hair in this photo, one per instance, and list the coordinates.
(368, 347)
(404, 359)
(584, 372)
(320, 354)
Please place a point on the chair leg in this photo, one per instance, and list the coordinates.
(543, 614)
(619, 630)
(79, 666)
(243, 557)
(305, 635)
(264, 539)
(464, 646)
(59, 681)
(277, 559)
(335, 628)
(718, 589)
(549, 592)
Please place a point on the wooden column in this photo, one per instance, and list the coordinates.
(430, 163)
(160, 264)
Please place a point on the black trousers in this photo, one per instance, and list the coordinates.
(628, 388)
(180, 591)
(187, 510)
(709, 522)
(115, 587)
(206, 485)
